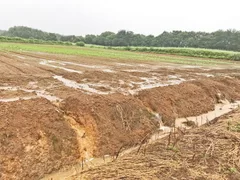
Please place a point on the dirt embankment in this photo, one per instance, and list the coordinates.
(112, 121)
(34, 140)
(208, 152)
(38, 137)
(189, 98)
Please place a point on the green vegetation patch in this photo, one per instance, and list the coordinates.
(193, 52)
(110, 53)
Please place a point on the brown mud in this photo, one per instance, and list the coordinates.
(189, 98)
(207, 152)
(65, 123)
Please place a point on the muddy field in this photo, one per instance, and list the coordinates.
(209, 152)
(59, 110)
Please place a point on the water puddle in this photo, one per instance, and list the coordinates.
(78, 64)
(8, 88)
(153, 82)
(26, 64)
(220, 109)
(190, 66)
(135, 70)
(75, 85)
(172, 76)
(64, 63)
(39, 93)
(20, 57)
(44, 94)
(108, 70)
(176, 81)
(190, 122)
(17, 99)
(148, 83)
(205, 74)
(124, 64)
(47, 63)
(32, 85)
(150, 86)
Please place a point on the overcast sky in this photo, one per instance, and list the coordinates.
(82, 17)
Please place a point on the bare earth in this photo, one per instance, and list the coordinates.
(208, 152)
(58, 110)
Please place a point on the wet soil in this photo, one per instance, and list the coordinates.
(101, 106)
(207, 152)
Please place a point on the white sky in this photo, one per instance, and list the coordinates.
(82, 17)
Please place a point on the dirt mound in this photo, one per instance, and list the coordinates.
(208, 152)
(189, 98)
(112, 121)
(34, 140)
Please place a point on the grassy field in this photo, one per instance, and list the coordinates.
(111, 53)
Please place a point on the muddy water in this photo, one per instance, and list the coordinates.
(75, 85)
(47, 63)
(108, 70)
(205, 74)
(148, 83)
(220, 110)
(44, 94)
(78, 64)
(39, 93)
(16, 99)
(153, 82)
(124, 64)
(134, 70)
(163, 131)
(9, 88)
(50, 63)
(20, 57)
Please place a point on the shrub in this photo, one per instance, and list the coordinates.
(67, 43)
(236, 57)
(127, 48)
(80, 43)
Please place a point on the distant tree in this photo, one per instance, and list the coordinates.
(52, 37)
(79, 38)
(90, 39)
(2, 32)
(68, 38)
(225, 40)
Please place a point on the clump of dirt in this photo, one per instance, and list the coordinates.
(189, 98)
(34, 140)
(112, 121)
(208, 152)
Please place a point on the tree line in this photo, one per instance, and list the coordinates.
(223, 40)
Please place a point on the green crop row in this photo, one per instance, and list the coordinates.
(201, 53)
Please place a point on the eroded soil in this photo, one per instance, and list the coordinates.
(207, 152)
(58, 110)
